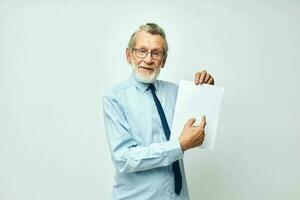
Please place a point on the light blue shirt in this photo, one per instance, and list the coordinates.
(139, 149)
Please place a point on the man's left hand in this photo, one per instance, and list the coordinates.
(203, 77)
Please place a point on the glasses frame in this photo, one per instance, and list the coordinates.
(148, 51)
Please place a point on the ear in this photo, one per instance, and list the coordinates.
(128, 56)
(164, 61)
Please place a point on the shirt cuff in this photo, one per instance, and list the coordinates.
(174, 149)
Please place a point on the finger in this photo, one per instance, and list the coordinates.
(202, 76)
(197, 77)
(203, 121)
(203, 135)
(207, 77)
(198, 143)
(190, 122)
(211, 81)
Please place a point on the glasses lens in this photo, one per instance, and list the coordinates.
(156, 54)
(141, 53)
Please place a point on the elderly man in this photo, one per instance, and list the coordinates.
(138, 114)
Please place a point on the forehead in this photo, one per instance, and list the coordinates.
(149, 41)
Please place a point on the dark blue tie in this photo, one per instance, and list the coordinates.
(175, 165)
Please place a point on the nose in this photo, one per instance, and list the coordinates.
(148, 58)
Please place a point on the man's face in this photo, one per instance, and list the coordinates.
(146, 69)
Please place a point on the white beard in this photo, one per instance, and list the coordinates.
(145, 78)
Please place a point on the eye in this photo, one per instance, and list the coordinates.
(142, 50)
(156, 53)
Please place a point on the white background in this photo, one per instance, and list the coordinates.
(57, 58)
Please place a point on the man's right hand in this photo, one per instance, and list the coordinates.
(192, 136)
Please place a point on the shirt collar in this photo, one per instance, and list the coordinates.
(140, 85)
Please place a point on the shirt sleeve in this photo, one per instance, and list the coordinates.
(127, 155)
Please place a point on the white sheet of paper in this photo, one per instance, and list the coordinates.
(194, 101)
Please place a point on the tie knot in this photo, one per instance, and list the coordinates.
(151, 87)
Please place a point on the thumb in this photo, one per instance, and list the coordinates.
(203, 121)
(190, 122)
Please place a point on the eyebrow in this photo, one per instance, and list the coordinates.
(155, 49)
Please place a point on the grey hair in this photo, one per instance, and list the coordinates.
(153, 29)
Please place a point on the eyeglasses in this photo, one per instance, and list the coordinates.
(142, 53)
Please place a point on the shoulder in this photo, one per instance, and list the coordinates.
(169, 86)
(117, 90)
(112, 98)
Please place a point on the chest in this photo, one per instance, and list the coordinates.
(143, 118)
